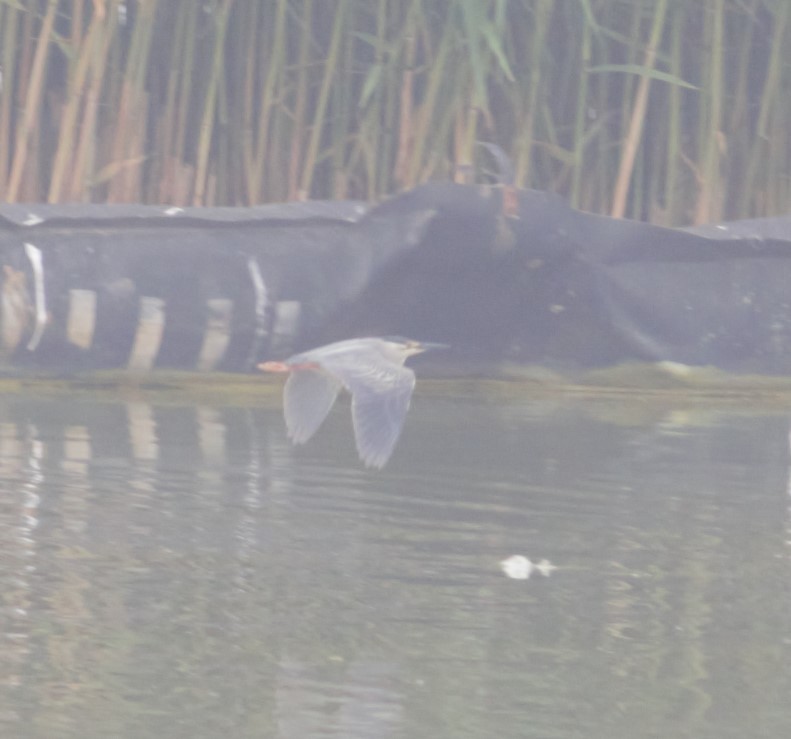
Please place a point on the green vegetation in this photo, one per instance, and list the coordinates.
(662, 110)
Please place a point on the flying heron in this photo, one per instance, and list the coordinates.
(372, 370)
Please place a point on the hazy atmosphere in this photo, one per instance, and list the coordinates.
(395, 369)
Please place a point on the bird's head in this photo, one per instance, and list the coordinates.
(408, 347)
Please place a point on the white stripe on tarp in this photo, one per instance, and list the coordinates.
(40, 303)
(261, 300)
(286, 323)
(217, 335)
(148, 338)
(81, 321)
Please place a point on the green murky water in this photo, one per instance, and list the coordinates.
(180, 570)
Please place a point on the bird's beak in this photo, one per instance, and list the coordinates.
(426, 346)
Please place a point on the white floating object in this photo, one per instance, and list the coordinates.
(544, 567)
(518, 567)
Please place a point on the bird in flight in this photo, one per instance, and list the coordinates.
(372, 370)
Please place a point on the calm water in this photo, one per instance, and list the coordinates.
(181, 571)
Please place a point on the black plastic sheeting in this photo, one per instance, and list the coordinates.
(500, 275)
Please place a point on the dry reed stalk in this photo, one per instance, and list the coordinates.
(35, 91)
(638, 115)
(349, 98)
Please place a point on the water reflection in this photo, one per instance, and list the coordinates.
(181, 570)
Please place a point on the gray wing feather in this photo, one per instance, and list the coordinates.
(379, 407)
(308, 397)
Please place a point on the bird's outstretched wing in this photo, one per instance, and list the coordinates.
(380, 401)
(308, 396)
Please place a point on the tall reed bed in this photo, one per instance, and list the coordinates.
(662, 110)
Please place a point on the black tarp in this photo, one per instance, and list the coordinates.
(500, 275)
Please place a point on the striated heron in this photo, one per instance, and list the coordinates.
(372, 370)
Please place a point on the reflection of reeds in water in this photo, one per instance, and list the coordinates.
(19, 470)
(87, 502)
(162, 560)
(672, 112)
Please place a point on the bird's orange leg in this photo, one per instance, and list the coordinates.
(274, 367)
(283, 367)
